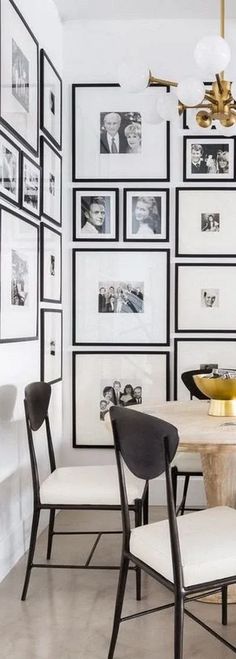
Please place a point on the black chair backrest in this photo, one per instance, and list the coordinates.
(187, 379)
(37, 398)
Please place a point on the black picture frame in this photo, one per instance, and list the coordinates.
(138, 368)
(50, 338)
(50, 98)
(207, 357)
(10, 174)
(209, 145)
(110, 197)
(50, 256)
(160, 215)
(35, 191)
(51, 182)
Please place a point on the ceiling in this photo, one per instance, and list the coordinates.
(142, 9)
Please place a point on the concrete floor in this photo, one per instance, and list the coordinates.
(68, 613)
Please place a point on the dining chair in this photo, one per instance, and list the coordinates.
(72, 488)
(190, 555)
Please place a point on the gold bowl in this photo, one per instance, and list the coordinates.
(221, 391)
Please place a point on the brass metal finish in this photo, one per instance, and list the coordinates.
(222, 408)
(222, 393)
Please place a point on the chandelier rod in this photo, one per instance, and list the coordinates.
(222, 28)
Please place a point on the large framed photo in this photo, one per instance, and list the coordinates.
(50, 100)
(209, 158)
(201, 353)
(51, 345)
(19, 277)
(51, 253)
(120, 297)
(110, 138)
(51, 187)
(30, 195)
(19, 77)
(205, 222)
(146, 214)
(103, 379)
(95, 214)
(9, 170)
(204, 300)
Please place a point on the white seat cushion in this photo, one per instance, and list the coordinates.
(89, 485)
(207, 542)
(187, 461)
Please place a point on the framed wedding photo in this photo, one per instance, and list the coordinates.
(111, 140)
(19, 77)
(30, 194)
(51, 182)
(51, 345)
(120, 297)
(204, 300)
(9, 170)
(51, 256)
(200, 353)
(95, 214)
(103, 379)
(208, 158)
(146, 214)
(19, 277)
(50, 100)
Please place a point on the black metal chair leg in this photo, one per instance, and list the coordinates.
(138, 522)
(181, 508)
(174, 476)
(119, 603)
(224, 606)
(179, 627)
(33, 537)
(50, 533)
(146, 507)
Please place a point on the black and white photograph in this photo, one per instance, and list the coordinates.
(50, 100)
(111, 140)
(210, 222)
(9, 170)
(146, 214)
(199, 353)
(102, 379)
(95, 214)
(50, 264)
(210, 297)
(30, 200)
(51, 185)
(51, 345)
(19, 59)
(209, 158)
(19, 278)
(121, 297)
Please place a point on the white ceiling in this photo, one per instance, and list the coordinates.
(142, 9)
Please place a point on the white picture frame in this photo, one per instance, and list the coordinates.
(51, 345)
(9, 170)
(51, 255)
(208, 158)
(51, 182)
(146, 214)
(31, 182)
(51, 100)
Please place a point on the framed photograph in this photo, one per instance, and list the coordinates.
(50, 100)
(19, 277)
(120, 297)
(204, 300)
(51, 253)
(103, 379)
(111, 140)
(209, 158)
(199, 353)
(9, 170)
(146, 214)
(30, 195)
(51, 182)
(19, 77)
(51, 345)
(205, 222)
(95, 214)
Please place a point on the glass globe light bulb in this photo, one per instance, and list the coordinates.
(167, 106)
(133, 78)
(212, 54)
(190, 91)
(233, 89)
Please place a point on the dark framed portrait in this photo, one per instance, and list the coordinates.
(146, 214)
(9, 170)
(50, 100)
(30, 193)
(51, 182)
(51, 257)
(200, 353)
(51, 345)
(208, 158)
(95, 214)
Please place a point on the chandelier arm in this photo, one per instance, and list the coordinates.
(159, 81)
(199, 105)
(218, 80)
(211, 99)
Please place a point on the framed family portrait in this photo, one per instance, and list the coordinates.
(201, 353)
(51, 253)
(19, 277)
(51, 182)
(110, 138)
(9, 170)
(120, 297)
(146, 214)
(204, 300)
(19, 77)
(209, 158)
(30, 194)
(50, 100)
(205, 222)
(103, 379)
(51, 345)
(95, 214)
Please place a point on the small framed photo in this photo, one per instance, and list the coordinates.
(209, 158)
(30, 196)
(204, 301)
(116, 300)
(51, 182)
(103, 379)
(111, 140)
(19, 77)
(199, 353)
(146, 214)
(51, 100)
(95, 214)
(205, 222)
(51, 253)
(51, 345)
(9, 170)
(19, 277)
